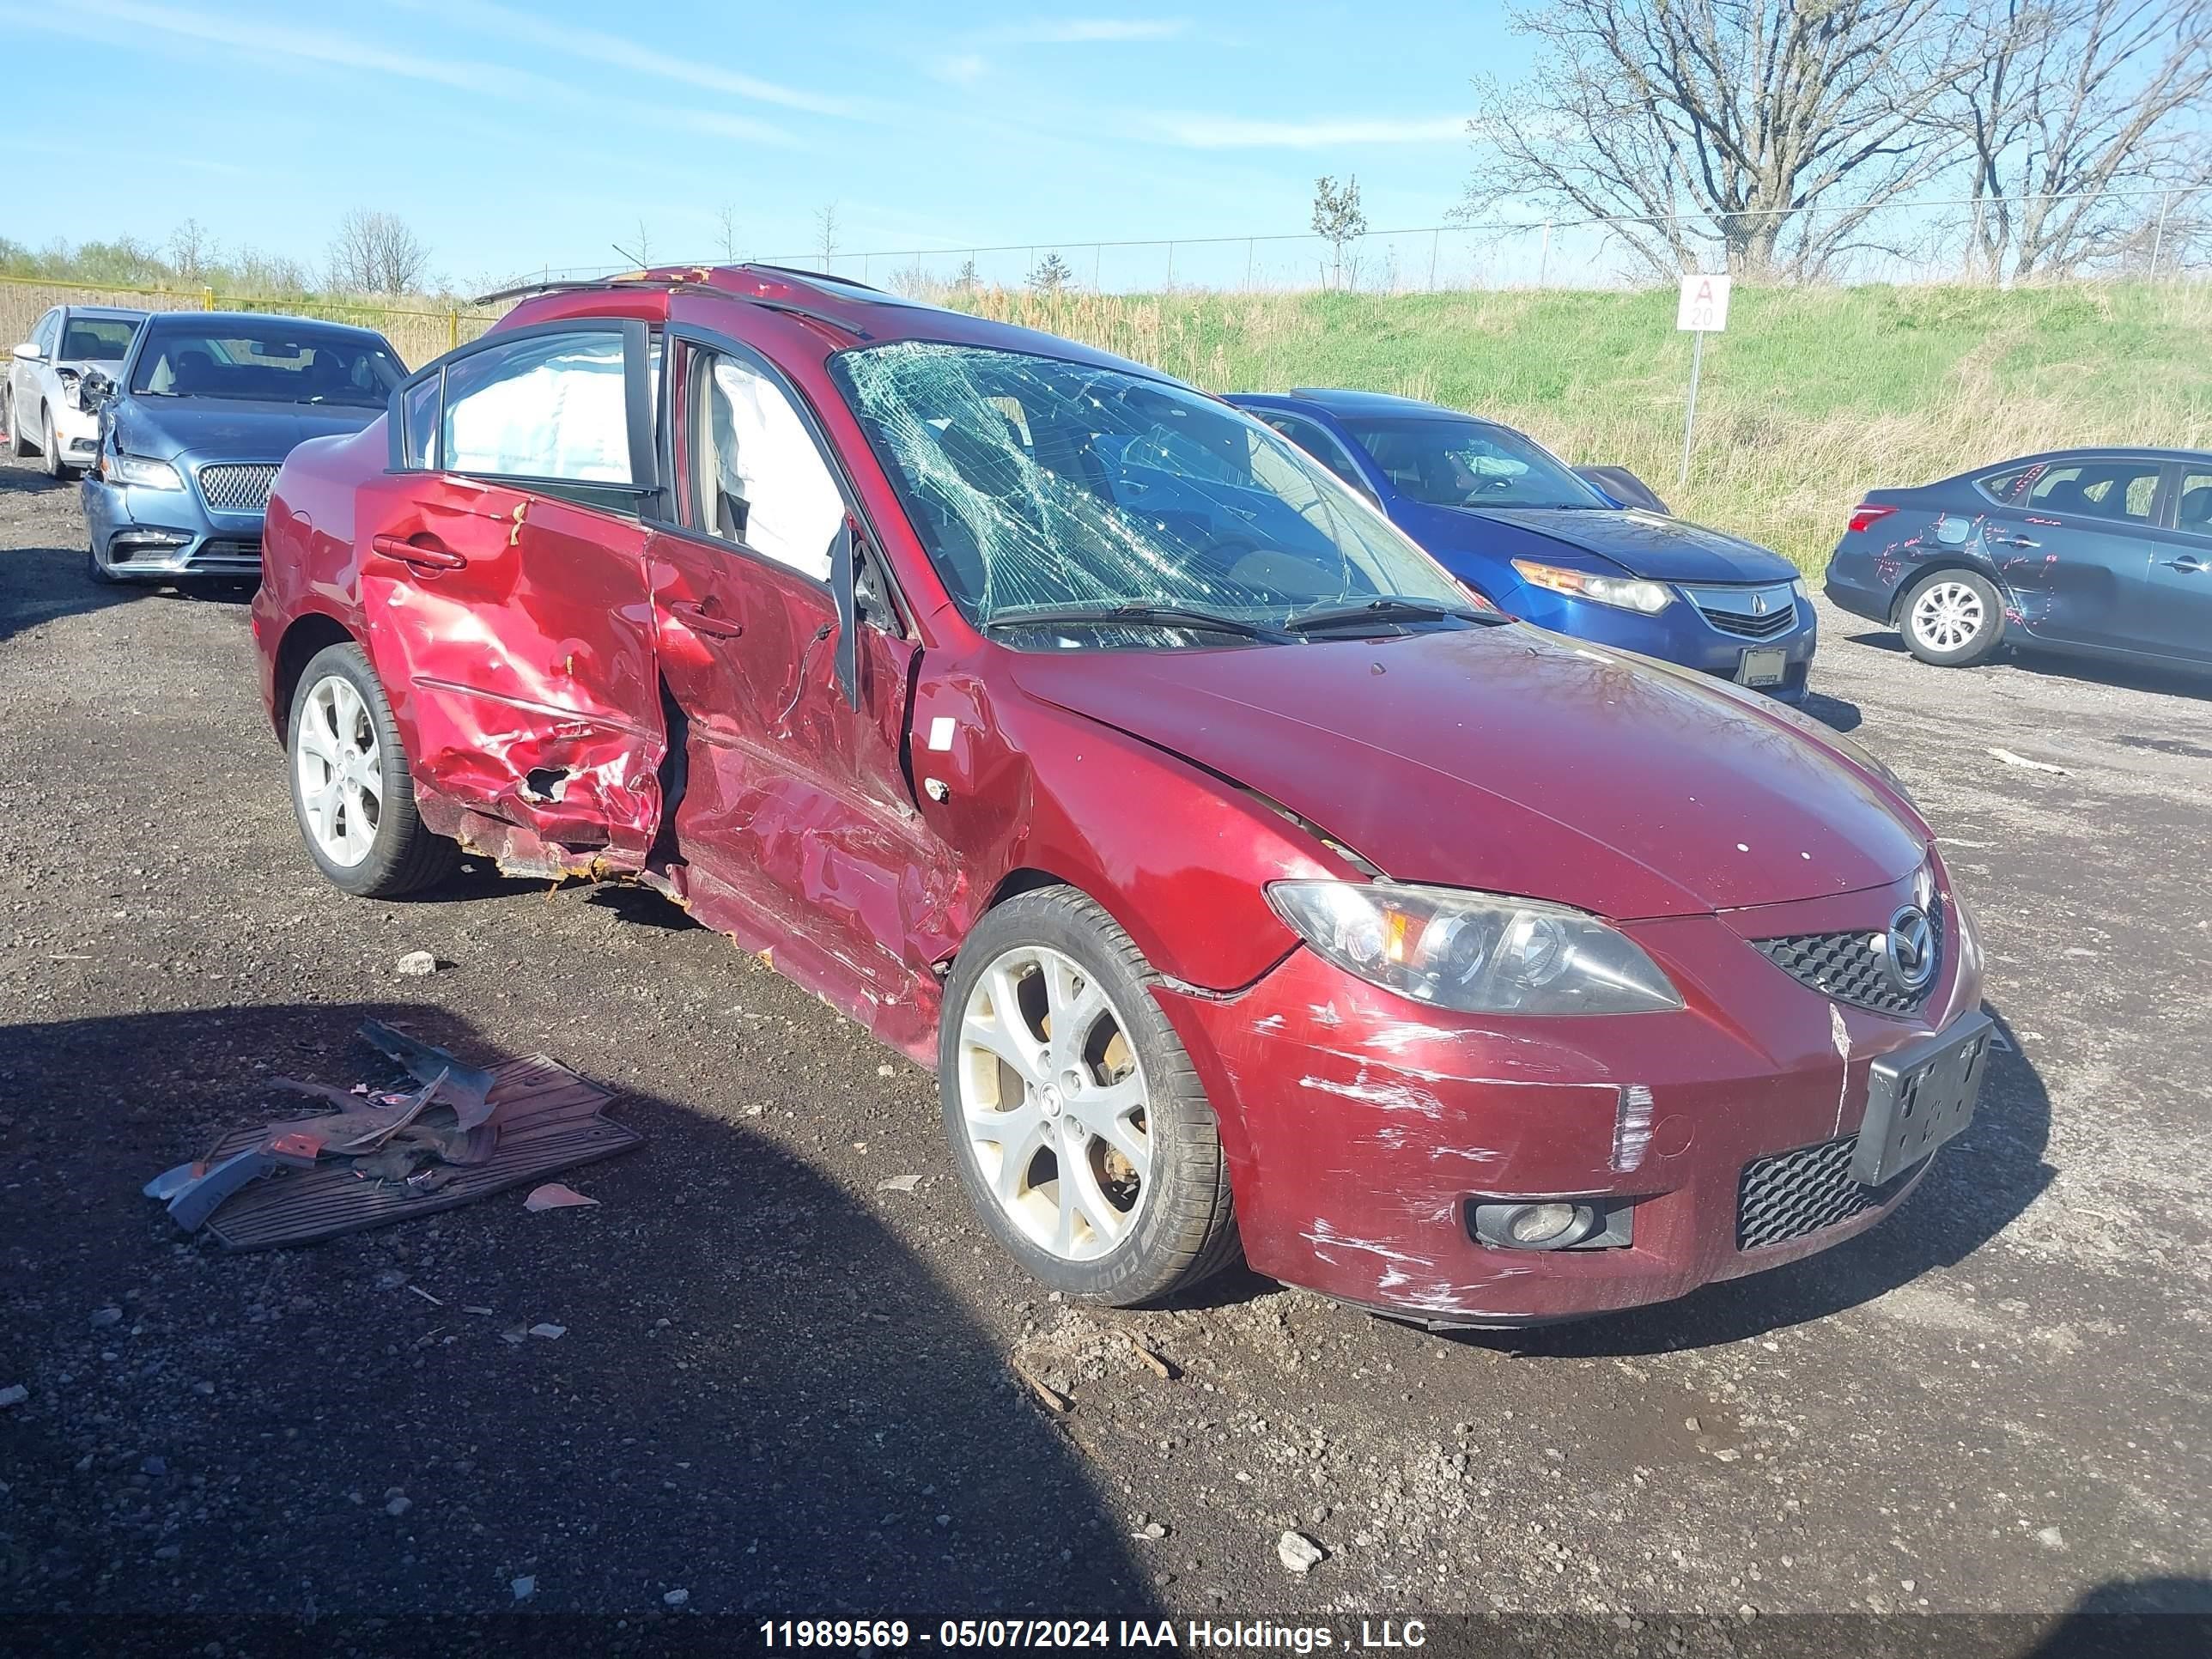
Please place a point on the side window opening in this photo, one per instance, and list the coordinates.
(757, 477)
(2193, 507)
(547, 406)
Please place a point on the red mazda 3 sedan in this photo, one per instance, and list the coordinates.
(1250, 887)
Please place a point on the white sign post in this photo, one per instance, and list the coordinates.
(1702, 310)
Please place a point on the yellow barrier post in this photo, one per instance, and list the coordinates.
(207, 299)
(452, 327)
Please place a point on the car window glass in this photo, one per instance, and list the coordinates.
(279, 361)
(2098, 490)
(1449, 463)
(551, 406)
(758, 478)
(43, 336)
(2193, 513)
(2004, 486)
(1111, 490)
(1321, 444)
(96, 339)
(421, 415)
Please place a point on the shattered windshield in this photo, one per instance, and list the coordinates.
(1449, 463)
(1059, 490)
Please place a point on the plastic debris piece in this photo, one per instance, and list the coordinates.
(426, 1296)
(548, 1332)
(905, 1184)
(2011, 759)
(484, 1313)
(524, 1587)
(465, 1088)
(555, 1196)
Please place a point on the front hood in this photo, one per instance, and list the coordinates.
(162, 427)
(1501, 759)
(1642, 544)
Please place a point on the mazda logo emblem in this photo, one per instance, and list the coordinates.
(1909, 949)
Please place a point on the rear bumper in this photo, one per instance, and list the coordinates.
(1855, 581)
(1362, 1129)
(136, 531)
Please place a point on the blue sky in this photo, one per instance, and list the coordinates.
(514, 135)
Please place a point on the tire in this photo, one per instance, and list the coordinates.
(1952, 618)
(51, 454)
(101, 575)
(1180, 1226)
(18, 445)
(372, 849)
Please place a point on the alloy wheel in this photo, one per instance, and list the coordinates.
(340, 770)
(1055, 1102)
(1948, 616)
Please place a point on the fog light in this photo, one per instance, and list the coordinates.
(1540, 1224)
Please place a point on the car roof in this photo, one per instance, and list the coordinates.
(871, 316)
(116, 313)
(241, 318)
(2079, 452)
(1342, 401)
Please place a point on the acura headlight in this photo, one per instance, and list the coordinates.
(1478, 953)
(1630, 593)
(143, 472)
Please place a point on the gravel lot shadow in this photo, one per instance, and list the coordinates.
(40, 585)
(760, 1399)
(2092, 670)
(1979, 1183)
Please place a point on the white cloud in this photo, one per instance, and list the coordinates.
(1086, 31)
(1236, 132)
(960, 68)
(599, 48)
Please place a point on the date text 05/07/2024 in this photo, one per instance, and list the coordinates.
(1253, 1635)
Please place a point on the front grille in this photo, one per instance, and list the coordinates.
(229, 558)
(237, 487)
(1746, 613)
(1849, 967)
(1791, 1195)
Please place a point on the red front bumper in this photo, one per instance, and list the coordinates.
(1359, 1124)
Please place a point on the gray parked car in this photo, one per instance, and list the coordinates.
(43, 409)
(196, 420)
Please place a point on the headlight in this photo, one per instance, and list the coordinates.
(1628, 593)
(1479, 953)
(71, 392)
(145, 474)
(1799, 591)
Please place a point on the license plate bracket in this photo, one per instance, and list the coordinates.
(1763, 665)
(1920, 1096)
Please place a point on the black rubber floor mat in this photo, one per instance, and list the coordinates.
(549, 1120)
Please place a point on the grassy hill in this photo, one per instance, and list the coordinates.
(1812, 395)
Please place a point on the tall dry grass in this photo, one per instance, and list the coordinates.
(1812, 396)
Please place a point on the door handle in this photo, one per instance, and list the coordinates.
(2189, 564)
(436, 556)
(700, 620)
(2022, 541)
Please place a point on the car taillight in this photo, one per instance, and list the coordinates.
(1868, 512)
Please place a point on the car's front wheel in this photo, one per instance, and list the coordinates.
(1077, 1125)
(52, 461)
(352, 791)
(1952, 618)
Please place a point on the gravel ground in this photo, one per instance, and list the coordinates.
(786, 1389)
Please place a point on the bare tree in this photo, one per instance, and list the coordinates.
(376, 253)
(727, 217)
(2082, 120)
(967, 279)
(1342, 222)
(1770, 130)
(825, 226)
(192, 251)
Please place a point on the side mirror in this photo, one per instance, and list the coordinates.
(29, 352)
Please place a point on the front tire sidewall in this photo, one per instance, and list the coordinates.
(53, 456)
(1170, 1247)
(1984, 643)
(394, 864)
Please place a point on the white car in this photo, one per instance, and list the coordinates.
(41, 408)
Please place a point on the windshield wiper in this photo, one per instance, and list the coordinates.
(1140, 616)
(1390, 608)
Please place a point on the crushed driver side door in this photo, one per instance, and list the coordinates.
(502, 575)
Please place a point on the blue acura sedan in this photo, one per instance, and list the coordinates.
(194, 423)
(1519, 526)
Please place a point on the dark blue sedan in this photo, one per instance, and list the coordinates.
(1517, 525)
(2092, 552)
(194, 423)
